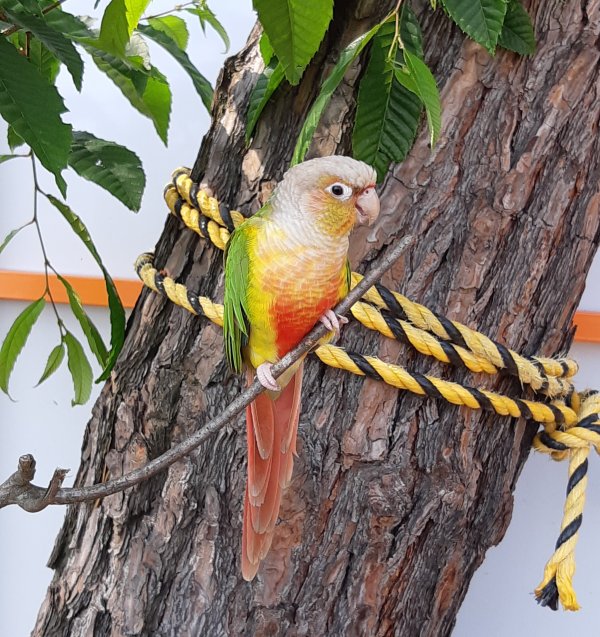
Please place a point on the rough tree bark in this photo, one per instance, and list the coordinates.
(395, 499)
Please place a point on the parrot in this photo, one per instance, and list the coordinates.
(286, 267)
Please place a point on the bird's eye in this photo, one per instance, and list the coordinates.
(340, 191)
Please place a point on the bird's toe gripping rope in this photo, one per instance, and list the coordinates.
(570, 420)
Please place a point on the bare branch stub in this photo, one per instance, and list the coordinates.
(17, 488)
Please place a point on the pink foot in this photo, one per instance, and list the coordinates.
(265, 377)
(333, 322)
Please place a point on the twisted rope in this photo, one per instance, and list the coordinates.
(571, 420)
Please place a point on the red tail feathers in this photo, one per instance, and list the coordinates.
(271, 429)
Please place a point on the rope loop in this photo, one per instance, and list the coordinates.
(570, 420)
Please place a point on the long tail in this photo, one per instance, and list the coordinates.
(271, 428)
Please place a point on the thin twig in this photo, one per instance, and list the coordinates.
(37, 190)
(177, 7)
(82, 494)
(16, 27)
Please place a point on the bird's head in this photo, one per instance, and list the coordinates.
(332, 193)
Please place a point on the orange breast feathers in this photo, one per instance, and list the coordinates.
(289, 290)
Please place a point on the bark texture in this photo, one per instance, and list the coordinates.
(395, 499)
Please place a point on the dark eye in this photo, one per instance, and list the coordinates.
(340, 191)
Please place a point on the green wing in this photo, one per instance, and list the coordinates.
(348, 274)
(235, 319)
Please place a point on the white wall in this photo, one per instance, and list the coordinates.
(42, 421)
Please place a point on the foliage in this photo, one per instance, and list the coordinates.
(37, 38)
(396, 86)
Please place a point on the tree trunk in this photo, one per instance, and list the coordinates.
(395, 499)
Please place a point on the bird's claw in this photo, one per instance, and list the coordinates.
(265, 377)
(333, 322)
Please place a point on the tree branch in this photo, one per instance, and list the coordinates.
(17, 489)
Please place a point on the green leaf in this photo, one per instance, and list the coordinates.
(80, 369)
(295, 29)
(32, 107)
(517, 31)
(43, 60)
(201, 84)
(148, 93)
(387, 115)
(427, 91)
(13, 139)
(68, 24)
(54, 41)
(265, 86)
(347, 56)
(54, 360)
(109, 165)
(89, 329)
(265, 48)
(120, 18)
(117, 314)
(13, 233)
(410, 30)
(174, 27)
(480, 19)
(206, 15)
(15, 340)
(30, 5)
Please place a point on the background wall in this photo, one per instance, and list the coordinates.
(42, 421)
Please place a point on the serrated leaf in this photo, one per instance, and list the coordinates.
(265, 86)
(68, 24)
(120, 18)
(53, 363)
(174, 27)
(109, 165)
(201, 84)
(13, 233)
(517, 31)
(15, 340)
(117, 314)
(426, 89)
(81, 371)
(54, 41)
(295, 29)
(479, 19)
(206, 15)
(410, 30)
(32, 107)
(148, 93)
(43, 60)
(265, 48)
(87, 325)
(387, 115)
(347, 56)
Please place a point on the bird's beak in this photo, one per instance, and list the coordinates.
(367, 206)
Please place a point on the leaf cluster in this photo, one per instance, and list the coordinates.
(37, 39)
(396, 86)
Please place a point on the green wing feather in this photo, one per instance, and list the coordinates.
(235, 319)
(348, 275)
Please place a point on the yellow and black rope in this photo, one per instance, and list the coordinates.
(571, 421)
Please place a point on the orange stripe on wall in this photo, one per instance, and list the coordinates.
(28, 286)
(588, 327)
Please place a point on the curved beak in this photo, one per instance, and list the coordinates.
(367, 206)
